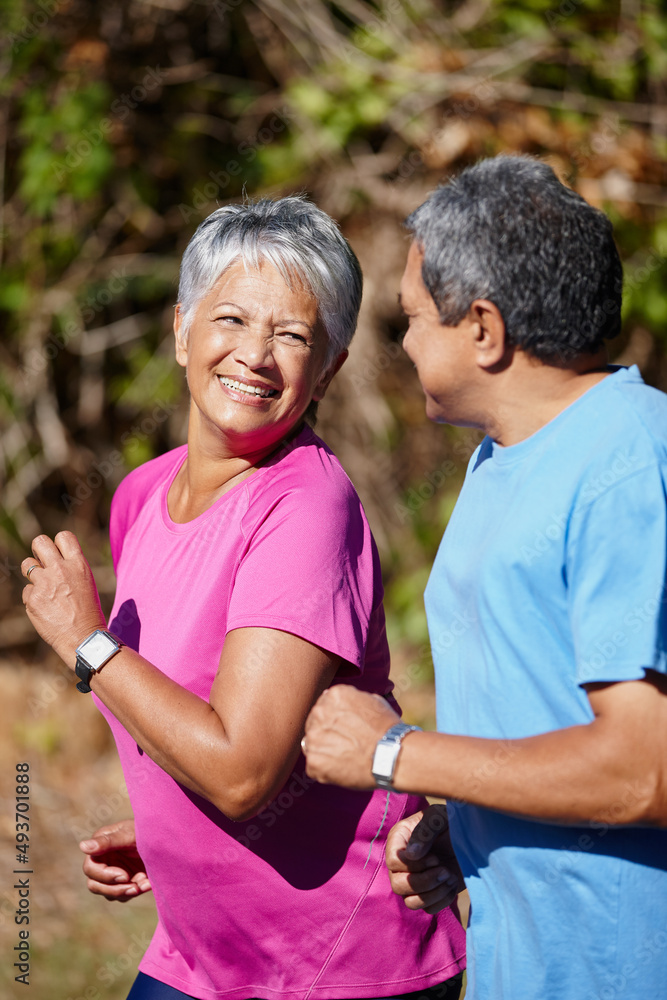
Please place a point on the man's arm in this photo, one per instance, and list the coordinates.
(614, 769)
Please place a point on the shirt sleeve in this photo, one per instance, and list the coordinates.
(309, 568)
(125, 504)
(616, 574)
(117, 525)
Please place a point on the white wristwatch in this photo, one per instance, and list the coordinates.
(386, 754)
(92, 654)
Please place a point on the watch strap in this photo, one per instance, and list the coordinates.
(84, 671)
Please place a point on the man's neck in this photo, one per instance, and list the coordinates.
(529, 394)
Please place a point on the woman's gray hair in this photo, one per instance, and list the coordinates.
(508, 231)
(300, 240)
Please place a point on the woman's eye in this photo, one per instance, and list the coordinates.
(230, 319)
(296, 337)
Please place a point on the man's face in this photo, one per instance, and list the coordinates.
(442, 355)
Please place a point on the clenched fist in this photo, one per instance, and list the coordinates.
(60, 597)
(342, 731)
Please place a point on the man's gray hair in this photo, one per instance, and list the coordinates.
(508, 231)
(300, 240)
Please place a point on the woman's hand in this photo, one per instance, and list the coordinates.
(422, 865)
(342, 731)
(113, 866)
(61, 598)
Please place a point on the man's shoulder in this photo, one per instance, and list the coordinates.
(625, 426)
(639, 409)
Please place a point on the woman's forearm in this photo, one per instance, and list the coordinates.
(178, 730)
(236, 750)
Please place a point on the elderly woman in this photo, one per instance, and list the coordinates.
(248, 582)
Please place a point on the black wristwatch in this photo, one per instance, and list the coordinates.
(386, 754)
(92, 654)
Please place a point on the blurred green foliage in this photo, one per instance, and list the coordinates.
(62, 155)
(124, 125)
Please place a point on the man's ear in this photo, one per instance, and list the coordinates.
(180, 337)
(325, 378)
(489, 332)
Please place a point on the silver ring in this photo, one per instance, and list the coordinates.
(303, 745)
(36, 566)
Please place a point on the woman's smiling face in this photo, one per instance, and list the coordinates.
(254, 356)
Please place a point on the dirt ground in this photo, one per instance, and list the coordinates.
(81, 947)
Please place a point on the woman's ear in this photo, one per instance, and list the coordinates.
(325, 378)
(180, 336)
(489, 332)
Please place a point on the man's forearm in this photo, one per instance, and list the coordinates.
(567, 776)
(612, 769)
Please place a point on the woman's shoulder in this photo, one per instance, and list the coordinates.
(306, 479)
(133, 491)
(308, 464)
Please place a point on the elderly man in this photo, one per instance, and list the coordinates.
(551, 689)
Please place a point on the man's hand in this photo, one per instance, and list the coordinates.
(61, 598)
(422, 866)
(113, 866)
(342, 731)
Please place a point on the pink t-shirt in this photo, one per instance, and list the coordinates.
(280, 906)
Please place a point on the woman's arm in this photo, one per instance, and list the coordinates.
(237, 749)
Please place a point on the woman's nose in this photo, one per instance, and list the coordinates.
(255, 350)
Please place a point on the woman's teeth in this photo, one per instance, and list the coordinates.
(252, 390)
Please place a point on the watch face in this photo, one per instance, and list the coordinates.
(97, 649)
(384, 760)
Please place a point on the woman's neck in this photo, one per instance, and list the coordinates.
(214, 466)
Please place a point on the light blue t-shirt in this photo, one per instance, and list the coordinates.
(551, 574)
